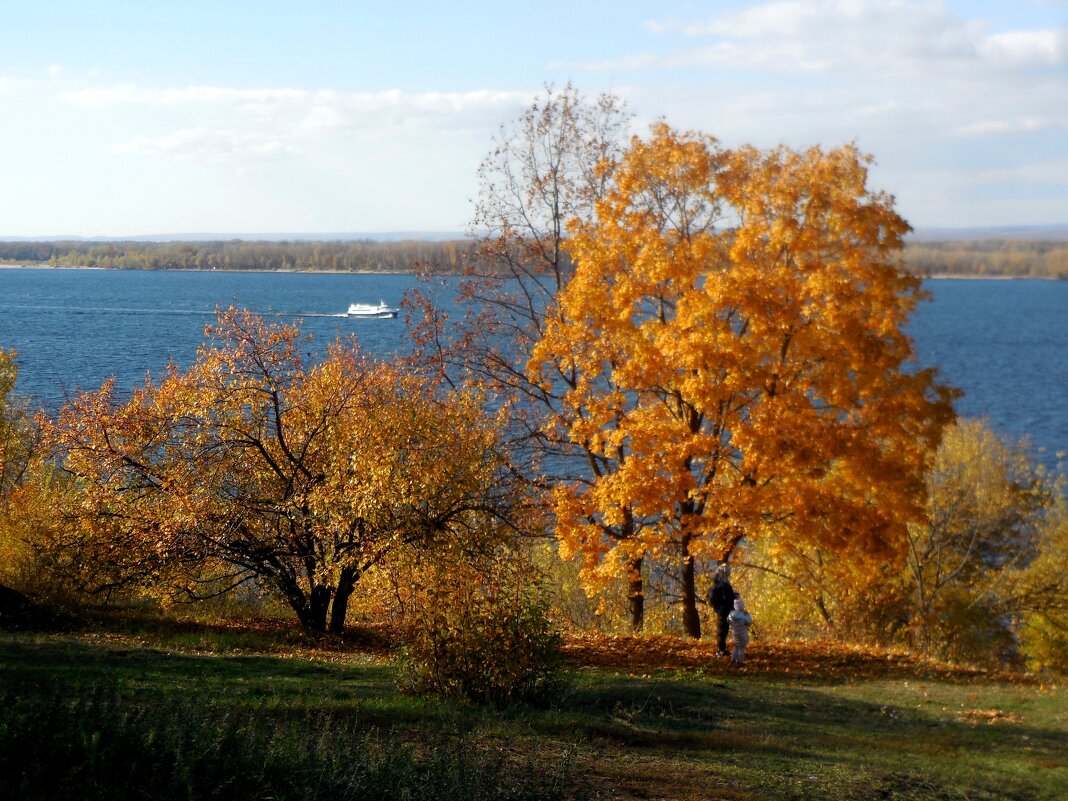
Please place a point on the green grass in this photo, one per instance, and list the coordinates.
(90, 718)
(831, 738)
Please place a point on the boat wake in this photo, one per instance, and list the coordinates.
(156, 312)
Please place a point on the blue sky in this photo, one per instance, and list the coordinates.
(142, 117)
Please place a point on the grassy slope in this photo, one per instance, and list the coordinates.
(643, 718)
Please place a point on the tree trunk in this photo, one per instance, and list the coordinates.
(338, 610)
(298, 602)
(691, 621)
(320, 605)
(312, 609)
(636, 595)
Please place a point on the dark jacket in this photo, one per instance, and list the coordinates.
(721, 596)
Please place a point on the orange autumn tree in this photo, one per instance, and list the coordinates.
(736, 322)
(300, 477)
(545, 168)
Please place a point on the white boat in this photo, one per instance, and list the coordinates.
(377, 311)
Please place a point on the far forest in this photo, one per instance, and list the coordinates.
(1008, 258)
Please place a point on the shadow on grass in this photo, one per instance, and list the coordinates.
(666, 711)
(691, 712)
(766, 730)
(289, 685)
(790, 741)
(95, 721)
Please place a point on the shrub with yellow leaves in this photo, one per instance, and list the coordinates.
(477, 626)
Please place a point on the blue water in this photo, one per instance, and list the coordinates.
(1005, 343)
(74, 328)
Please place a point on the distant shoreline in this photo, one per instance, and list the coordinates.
(953, 277)
(934, 277)
(184, 270)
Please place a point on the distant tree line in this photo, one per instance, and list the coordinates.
(1000, 257)
(358, 256)
(991, 257)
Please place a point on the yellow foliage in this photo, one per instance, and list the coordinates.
(1040, 591)
(302, 477)
(735, 322)
(25, 500)
(985, 578)
(475, 619)
(16, 436)
(987, 520)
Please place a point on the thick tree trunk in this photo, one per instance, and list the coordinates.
(311, 609)
(339, 608)
(636, 595)
(314, 609)
(320, 605)
(298, 602)
(691, 621)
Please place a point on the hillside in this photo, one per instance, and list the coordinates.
(258, 710)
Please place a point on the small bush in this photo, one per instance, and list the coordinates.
(1045, 644)
(480, 630)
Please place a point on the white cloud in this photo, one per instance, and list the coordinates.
(1008, 126)
(1026, 48)
(211, 146)
(108, 97)
(918, 38)
(776, 19)
(1052, 172)
(273, 100)
(222, 125)
(784, 57)
(10, 84)
(322, 118)
(930, 87)
(886, 72)
(833, 37)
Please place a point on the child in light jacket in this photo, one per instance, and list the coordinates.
(739, 621)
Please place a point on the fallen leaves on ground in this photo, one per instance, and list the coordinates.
(990, 716)
(642, 654)
(636, 654)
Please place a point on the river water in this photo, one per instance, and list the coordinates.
(1005, 343)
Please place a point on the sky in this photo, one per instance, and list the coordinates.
(140, 118)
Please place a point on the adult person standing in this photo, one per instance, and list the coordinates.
(721, 598)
